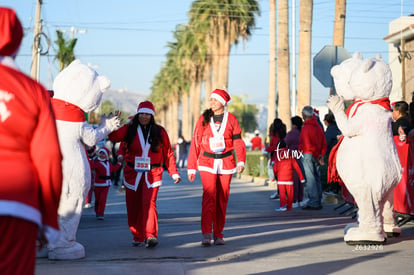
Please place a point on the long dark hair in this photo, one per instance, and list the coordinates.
(154, 135)
(279, 128)
(297, 121)
(207, 114)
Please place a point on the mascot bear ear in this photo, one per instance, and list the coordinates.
(368, 64)
(378, 56)
(104, 83)
(75, 62)
(357, 55)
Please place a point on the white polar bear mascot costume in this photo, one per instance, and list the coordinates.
(77, 90)
(366, 157)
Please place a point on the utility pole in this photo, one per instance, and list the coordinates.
(339, 24)
(36, 42)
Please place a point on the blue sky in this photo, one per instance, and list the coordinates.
(127, 39)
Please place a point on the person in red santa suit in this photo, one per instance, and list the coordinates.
(283, 168)
(256, 141)
(30, 159)
(216, 134)
(145, 148)
(102, 180)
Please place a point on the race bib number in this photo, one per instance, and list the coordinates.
(217, 144)
(142, 164)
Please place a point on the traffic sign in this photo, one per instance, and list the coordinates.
(324, 60)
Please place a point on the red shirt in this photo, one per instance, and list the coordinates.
(312, 139)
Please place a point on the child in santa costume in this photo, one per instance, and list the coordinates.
(145, 147)
(30, 162)
(103, 169)
(216, 134)
(283, 168)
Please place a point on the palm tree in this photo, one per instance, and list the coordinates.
(190, 57)
(226, 22)
(65, 54)
(271, 107)
(283, 63)
(305, 54)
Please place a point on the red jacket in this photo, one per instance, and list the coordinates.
(273, 146)
(30, 156)
(284, 165)
(200, 146)
(256, 143)
(312, 138)
(165, 155)
(103, 170)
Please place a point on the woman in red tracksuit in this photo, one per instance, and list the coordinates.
(283, 167)
(216, 134)
(102, 180)
(145, 148)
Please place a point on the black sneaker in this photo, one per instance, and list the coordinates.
(151, 242)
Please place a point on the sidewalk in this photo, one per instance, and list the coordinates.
(258, 239)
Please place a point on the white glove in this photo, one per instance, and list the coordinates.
(113, 123)
(336, 104)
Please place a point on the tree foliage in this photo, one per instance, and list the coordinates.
(245, 113)
(66, 50)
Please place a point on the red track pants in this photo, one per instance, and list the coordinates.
(142, 211)
(101, 194)
(18, 246)
(286, 195)
(216, 189)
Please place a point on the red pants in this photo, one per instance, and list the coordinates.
(216, 189)
(18, 246)
(101, 194)
(89, 196)
(142, 211)
(286, 195)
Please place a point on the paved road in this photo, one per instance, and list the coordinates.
(258, 239)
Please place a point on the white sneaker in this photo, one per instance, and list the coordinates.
(275, 195)
(303, 203)
(295, 205)
(282, 208)
(88, 205)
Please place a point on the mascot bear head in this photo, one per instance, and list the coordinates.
(367, 79)
(79, 85)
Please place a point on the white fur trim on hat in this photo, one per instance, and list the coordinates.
(105, 151)
(219, 98)
(146, 111)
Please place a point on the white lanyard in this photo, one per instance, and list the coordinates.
(143, 163)
(217, 143)
(144, 143)
(222, 127)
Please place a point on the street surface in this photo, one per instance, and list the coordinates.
(258, 239)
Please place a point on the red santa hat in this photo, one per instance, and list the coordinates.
(146, 107)
(105, 151)
(315, 112)
(221, 95)
(11, 32)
